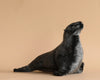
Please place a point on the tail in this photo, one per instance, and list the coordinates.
(23, 69)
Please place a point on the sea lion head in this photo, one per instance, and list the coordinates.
(74, 28)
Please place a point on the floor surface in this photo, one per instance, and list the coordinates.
(86, 75)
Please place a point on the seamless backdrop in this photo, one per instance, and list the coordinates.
(29, 28)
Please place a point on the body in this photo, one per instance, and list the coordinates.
(65, 58)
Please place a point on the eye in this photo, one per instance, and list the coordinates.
(73, 26)
(68, 31)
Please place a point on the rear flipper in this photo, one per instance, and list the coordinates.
(80, 70)
(34, 65)
(23, 69)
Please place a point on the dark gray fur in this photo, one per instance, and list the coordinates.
(64, 59)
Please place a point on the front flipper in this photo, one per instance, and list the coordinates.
(62, 67)
(80, 70)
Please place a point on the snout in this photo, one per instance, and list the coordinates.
(79, 24)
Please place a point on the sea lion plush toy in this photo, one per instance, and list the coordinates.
(65, 58)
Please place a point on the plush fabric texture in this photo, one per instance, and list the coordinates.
(65, 58)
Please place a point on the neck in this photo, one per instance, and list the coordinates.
(69, 40)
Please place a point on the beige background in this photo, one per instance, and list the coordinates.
(29, 28)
